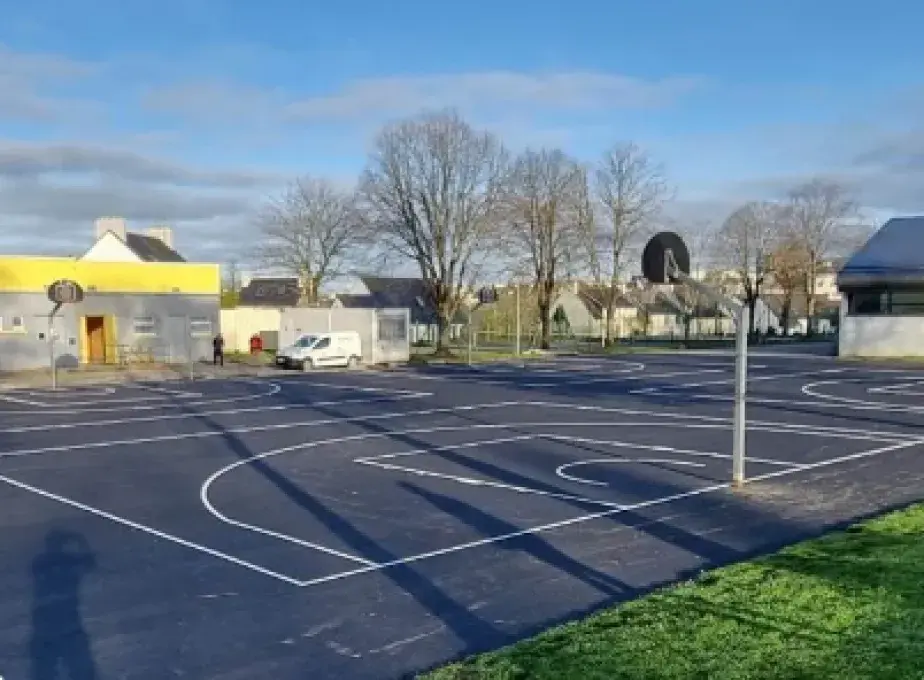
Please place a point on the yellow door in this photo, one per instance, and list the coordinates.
(96, 339)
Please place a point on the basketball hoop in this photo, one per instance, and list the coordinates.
(65, 292)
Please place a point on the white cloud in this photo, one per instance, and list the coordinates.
(50, 194)
(33, 86)
(581, 91)
(377, 98)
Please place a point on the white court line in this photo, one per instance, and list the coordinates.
(24, 402)
(149, 530)
(729, 381)
(274, 388)
(204, 414)
(599, 515)
(666, 449)
(202, 434)
(579, 440)
(205, 489)
(693, 421)
(880, 406)
(560, 470)
(584, 381)
(901, 389)
(811, 390)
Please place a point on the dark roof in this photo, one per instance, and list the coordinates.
(356, 301)
(270, 292)
(405, 293)
(893, 255)
(151, 249)
(594, 298)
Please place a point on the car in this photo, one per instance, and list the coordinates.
(322, 350)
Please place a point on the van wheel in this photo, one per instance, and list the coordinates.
(307, 365)
(352, 362)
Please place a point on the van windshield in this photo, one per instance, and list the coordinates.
(306, 341)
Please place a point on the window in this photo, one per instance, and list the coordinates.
(200, 325)
(323, 344)
(12, 323)
(907, 302)
(144, 325)
(306, 341)
(883, 302)
(392, 328)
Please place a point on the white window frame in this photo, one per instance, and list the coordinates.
(145, 322)
(17, 323)
(200, 326)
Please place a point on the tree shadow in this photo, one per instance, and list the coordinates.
(59, 640)
(469, 629)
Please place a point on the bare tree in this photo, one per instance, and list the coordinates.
(431, 191)
(818, 213)
(312, 231)
(630, 191)
(545, 208)
(744, 242)
(788, 263)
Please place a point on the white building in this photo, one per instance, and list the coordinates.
(882, 310)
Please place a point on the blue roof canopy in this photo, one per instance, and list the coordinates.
(893, 255)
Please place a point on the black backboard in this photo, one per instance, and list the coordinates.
(653, 257)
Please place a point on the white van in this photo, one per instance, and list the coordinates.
(322, 350)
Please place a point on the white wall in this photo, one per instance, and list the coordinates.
(240, 323)
(110, 249)
(880, 336)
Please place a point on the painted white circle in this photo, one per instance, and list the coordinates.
(560, 470)
(819, 390)
(154, 402)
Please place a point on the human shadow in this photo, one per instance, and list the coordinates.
(59, 640)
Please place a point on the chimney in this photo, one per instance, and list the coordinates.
(164, 234)
(114, 224)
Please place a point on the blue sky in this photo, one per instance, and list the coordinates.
(193, 111)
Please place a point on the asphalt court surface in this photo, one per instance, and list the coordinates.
(371, 524)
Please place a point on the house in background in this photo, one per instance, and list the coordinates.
(143, 301)
(882, 310)
(582, 305)
(402, 293)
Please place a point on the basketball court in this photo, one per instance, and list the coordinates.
(370, 524)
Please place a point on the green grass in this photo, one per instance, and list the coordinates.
(848, 606)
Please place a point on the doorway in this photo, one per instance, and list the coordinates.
(96, 339)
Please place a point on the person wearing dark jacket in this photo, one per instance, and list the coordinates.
(218, 350)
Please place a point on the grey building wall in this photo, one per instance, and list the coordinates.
(383, 333)
(170, 340)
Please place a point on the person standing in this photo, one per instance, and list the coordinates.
(218, 350)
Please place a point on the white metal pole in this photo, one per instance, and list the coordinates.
(519, 330)
(51, 352)
(469, 335)
(189, 349)
(741, 383)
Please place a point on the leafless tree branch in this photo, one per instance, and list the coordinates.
(312, 231)
(819, 215)
(430, 190)
(545, 208)
(630, 192)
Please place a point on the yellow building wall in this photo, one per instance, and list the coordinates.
(35, 274)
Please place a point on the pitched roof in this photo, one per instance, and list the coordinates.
(270, 292)
(593, 297)
(892, 255)
(151, 249)
(356, 301)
